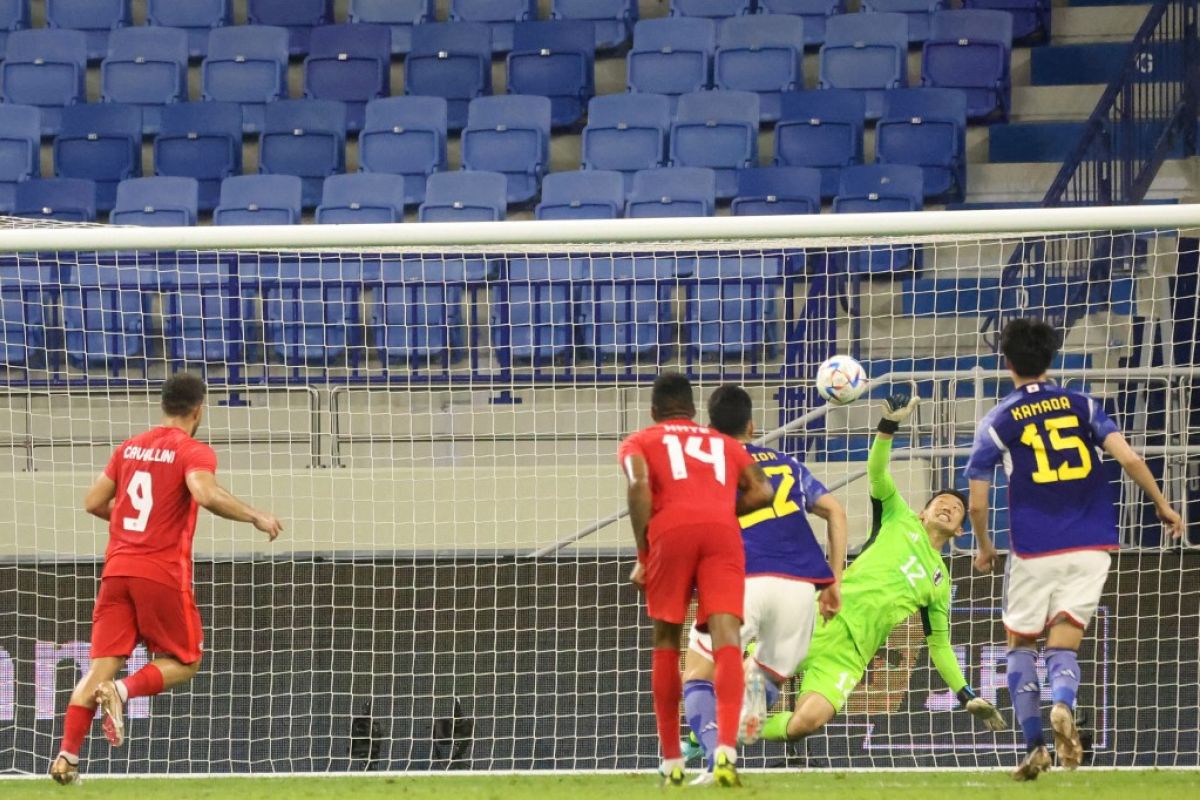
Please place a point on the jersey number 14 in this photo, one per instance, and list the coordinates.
(694, 448)
(1032, 437)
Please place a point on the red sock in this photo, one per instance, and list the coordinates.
(146, 682)
(75, 728)
(668, 689)
(730, 685)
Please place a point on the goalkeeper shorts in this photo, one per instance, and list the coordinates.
(833, 667)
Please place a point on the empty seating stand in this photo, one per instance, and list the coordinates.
(312, 311)
(465, 197)
(715, 9)
(1031, 18)
(20, 150)
(673, 192)
(499, 15)
(629, 318)
(101, 142)
(509, 134)
(671, 56)
(453, 61)
(298, 16)
(868, 52)
(823, 130)
(201, 141)
(766, 191)
(361, 197)
(350, 63)
(247, 64)
(47, 69)
(156, 202)
(926, 128)
(14, 16)
(260, 200)
(195, 17)
(717, 130)
(972, 51)
(582, 194)
(399, 15)
(61, 199)
(626, 133)
(104, 313)
(94, 18)
(555, 60)
(536, 310)
(762, 53)
(612, 20)
(917, 11)
(418, 318)
(306, 138)
(728, 308)
(405, 136)
(813, 12)
(146, 67)
(874, 188)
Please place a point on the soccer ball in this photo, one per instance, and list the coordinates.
(840, 380)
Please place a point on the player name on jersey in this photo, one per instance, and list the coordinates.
(155, 455)
(1061, 403)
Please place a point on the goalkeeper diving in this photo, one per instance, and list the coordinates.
(898, 574)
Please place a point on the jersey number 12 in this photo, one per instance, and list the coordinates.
(694, 448)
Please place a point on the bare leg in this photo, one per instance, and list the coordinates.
(812, 713)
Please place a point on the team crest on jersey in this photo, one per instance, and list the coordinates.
(937, 577)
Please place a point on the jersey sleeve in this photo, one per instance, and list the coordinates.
(879, 474)
(812, 488)
(1101, 424)
(985, 452)
(113, 468)
(936, 620)
(199, 457)
(630, 447)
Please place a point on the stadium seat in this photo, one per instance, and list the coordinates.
(534, 316)
(868, 52)
(917, 12)
(405, 136)
(1031, 18)
(306, 138)
(509, 134)
(399, 15)
(20, 150)
(203, 313)
(298, 16)
(451, 60)
(762, 53)
(873, 188)
(465, 197)
(312, 313)
(62, 199)
(14, 16)
(46, 69)
(626, 132)
(673, 192)
(717, 130)
(671, 56)
(194, 17)
(260, 200)
(630, 311)
(728, 308)
(584, 194)
(715, 9)
(612, 20)
(101, 142)
(201, 141)
(146, 67)
(499, 15)
(361, 197)
(972, 51)
(420, 314)
(156, 202)
(764, 191)
(104, 314)
(246, 64)
(555, 60)
(813, 12)
(821, 129)
(350, 63)
(926, 128)
(95, 18)
(26, 287)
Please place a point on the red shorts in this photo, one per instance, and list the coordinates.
(129, 610)
(707, 558)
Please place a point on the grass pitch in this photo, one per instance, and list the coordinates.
(1174, 785)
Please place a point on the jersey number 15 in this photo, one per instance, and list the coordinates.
(694, 448)
(1060, 443)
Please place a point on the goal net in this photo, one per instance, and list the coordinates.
(434, 412)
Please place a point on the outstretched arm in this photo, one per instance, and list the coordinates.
(896, 409)
(1135, 467)
(211, 495)
(936, 620)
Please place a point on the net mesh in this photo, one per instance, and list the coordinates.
(438, 430)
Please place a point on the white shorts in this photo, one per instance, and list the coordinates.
(779, 615)
(1039, 591)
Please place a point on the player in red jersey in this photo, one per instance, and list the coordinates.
(149, 494)
(684, 502)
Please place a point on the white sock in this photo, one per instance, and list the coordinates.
(669, 764)
(730, 753)
(122, 692)
(71, 758)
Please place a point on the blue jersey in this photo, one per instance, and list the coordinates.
(1050, 441)
(779, 541)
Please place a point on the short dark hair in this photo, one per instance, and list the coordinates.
(1029, 345)
(962, 498)
(730, 409)
(182, 394)
(672, 395)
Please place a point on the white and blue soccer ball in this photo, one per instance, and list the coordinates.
(841, 380)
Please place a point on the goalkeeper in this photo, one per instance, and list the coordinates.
(898, 573)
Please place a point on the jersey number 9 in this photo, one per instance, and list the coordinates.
(1032, 437)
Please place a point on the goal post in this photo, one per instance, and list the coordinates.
(434, 412)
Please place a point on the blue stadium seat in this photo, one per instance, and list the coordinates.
(509, 134)
(405, 136)
(612, 20)
(399, 15)
(361, 197)
(499, 15)
(867, 52)
(95, 18)
(14, 16)
(194, 17)
(764, 191)
(201, 141)
(821, 129)
(420, 314)
(626, 132)
(20, 150)
(917, 11)
(260, 200)
(673, 192)
(465, 197)
(306, 138)
(101, 142)
(156, 202)
(728, 309)
(874, 188)
(972, 51)
(1031, 18)
(350, 63)
(715, 9)
(298, 16)
(312, 312)
(146, 67)
(717, 130)
(762, 53)
(556, 60)
(203, 313)
(246, 64)
(450, 60)
(104, 314)
(62, 199)
(584, 194)
(671, 56)
(26, 287)
(814, 13)
(46, 69)
(630, 317)
(535, 311)
(926, 128)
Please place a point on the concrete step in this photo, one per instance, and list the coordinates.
(1028, 182)
(1054, 103)
(1112, 24)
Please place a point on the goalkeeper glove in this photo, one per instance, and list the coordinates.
(981, 710)
(896, 409)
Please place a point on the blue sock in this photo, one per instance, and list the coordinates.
(772, 693)
(1026, 695)
(700, 706)
(1062, 670)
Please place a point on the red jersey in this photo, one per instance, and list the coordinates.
(694, 472)
(154, 518)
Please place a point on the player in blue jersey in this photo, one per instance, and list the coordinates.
(785, 571)
(1063, 519)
